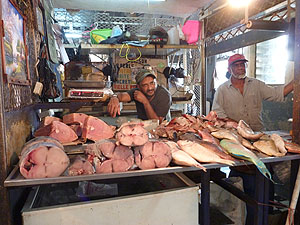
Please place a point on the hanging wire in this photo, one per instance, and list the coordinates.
(127, 53)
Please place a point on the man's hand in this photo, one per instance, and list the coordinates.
(113, 107)
(140, 97)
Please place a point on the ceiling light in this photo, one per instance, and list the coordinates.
(239, 3)
(156, 1)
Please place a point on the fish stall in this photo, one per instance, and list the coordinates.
(64, 160)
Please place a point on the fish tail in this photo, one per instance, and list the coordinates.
(198, 165)
(263, 169)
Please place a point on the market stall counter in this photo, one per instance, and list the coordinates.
(15, 179)
(81, 148)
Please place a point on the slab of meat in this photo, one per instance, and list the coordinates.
(96, 129)
(58, 131)
(75, 118)
(75, 121)
(49, 119)
(154, 154)
(43, 160)
(80, 166)
(41, 140)
(95, 150)
(108, 157)
(77, 129)
(132, 134)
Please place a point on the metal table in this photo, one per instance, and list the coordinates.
(15, 179)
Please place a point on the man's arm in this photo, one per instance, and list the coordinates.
(151, 114)
(288, 88)
(218, 105)
(113, 107)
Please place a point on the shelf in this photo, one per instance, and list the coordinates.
(146, 50)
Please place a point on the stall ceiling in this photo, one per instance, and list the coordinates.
(177, 8)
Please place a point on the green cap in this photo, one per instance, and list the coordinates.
(142, 74)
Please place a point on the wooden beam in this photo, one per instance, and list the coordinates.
(296, 103)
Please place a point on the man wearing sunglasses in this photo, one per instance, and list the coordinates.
(241, 97)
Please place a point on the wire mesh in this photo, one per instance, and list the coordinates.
(230, 16)
(139, 24)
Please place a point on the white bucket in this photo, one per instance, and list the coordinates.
(173, 36)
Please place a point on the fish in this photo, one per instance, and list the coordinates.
(217, 149)
(243, 141)
(206, 136)
(202, 154)
(247, 144)
(268, 147)
(232, 135)
(190, 137)
(181, 158)
(279, 143)
(226, 134)
(292, 147)
(245, 131)
(239, 151)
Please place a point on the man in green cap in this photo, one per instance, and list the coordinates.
(152, 100)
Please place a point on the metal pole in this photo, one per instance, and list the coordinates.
(203, 72)
(296, 107)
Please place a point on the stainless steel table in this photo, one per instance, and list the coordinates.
(15, 179)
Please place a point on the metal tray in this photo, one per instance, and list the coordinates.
(84, 84)
(15, 179)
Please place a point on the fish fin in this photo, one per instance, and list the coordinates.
(227, 162)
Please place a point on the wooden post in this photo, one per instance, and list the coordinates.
(4, 202)
(296, 103)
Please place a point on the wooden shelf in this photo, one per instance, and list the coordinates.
(146, 50)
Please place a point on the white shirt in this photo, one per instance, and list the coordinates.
(229, 102)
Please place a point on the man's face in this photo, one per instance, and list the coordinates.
(238, 70)
(148, 86)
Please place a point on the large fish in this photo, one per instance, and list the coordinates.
(232, 135)
(292, 147)
(217, 149)
(267, 147)
(202, 154)
(206, 136)
(245, 130)
(181, 158)
(279, 143)
(225, 134)
(239, 151)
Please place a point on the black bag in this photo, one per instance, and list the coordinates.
(47, 77)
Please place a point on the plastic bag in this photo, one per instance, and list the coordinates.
(116, 31)
(99, 35)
